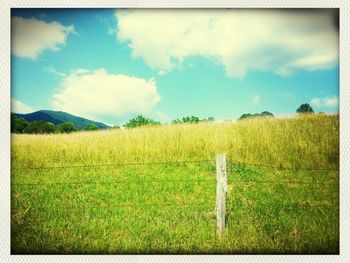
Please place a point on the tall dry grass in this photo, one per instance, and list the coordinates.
(304, 141)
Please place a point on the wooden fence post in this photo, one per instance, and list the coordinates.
(221, 189)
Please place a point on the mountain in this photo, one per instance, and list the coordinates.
(58, 117)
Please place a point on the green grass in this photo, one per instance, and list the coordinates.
(169, 208)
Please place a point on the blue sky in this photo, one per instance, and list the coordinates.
(111, 65)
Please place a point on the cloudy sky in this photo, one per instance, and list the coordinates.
(110, 65)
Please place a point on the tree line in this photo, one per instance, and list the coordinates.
(303, 109)
(143, 121)
(20, 125)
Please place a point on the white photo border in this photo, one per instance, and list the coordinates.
(5, 139)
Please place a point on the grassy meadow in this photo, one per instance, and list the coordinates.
(170, 207)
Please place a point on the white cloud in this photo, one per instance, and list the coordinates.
(31, 36)
(256, 99)
(95, 93)
(240, 40)
(325, 102)
(331, 102)
(106, 22)
(316, 102)
(19, 107)
(80, 71)
(55, 72)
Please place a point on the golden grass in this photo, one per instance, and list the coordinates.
(291, 142)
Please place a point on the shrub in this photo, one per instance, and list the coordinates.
(66, 127)
(91, 127)
(18, 124)
(140, 121)
(305, 108)
(39, 127)
(264, 114)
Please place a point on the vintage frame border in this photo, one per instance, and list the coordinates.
(344, 110)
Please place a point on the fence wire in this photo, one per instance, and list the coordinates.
(113, 164)
(212, 162)
(281, 182)
(235, 163)
(281, 167)
(207, 205)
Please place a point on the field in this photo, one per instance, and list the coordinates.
(70, 196)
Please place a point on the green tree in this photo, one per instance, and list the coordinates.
(176, 121)
(13, 122)
(190, 119)
(32, 127)
(140, 121)
(39, 127)
(18, 124)
(245, 116)
(66, 127)
(266, 114)
(305, 108)
(115, 127)
(91, 127)
(47, 127)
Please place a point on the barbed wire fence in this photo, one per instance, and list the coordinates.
(280, 167)
(221, 183)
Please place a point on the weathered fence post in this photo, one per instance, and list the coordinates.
(221, 189)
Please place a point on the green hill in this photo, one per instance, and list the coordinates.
(58, 117)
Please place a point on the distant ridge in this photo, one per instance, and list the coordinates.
(58, 117)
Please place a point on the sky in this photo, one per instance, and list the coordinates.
(111, 65)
